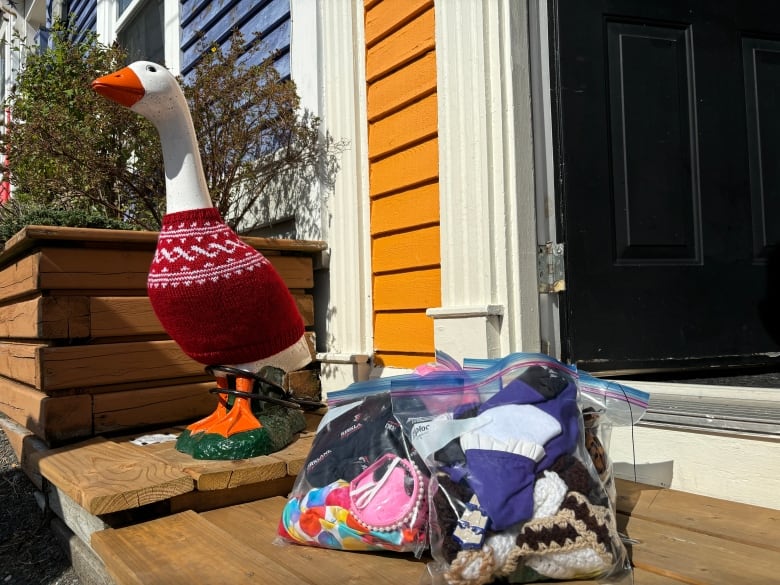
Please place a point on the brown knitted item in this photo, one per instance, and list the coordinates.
(578, 524)
(578, 528)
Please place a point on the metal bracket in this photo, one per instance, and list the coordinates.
(550, 268)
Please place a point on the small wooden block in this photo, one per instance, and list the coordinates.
(303, 384)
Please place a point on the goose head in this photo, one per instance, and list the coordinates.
(146, 88)
(153, 92)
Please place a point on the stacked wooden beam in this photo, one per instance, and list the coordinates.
(81, 351)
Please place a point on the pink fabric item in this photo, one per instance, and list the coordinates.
(389, 494)
(217, 297)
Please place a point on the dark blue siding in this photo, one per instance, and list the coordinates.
(83, 14)
(205, 23)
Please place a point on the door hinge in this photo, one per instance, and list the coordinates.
(550, 269)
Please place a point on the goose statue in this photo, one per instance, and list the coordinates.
(217, 297)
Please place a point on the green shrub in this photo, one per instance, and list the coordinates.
(77, 153)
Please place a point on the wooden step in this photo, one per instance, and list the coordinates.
(105, 476)
(184, 549)
(235, 545)
(154, 552)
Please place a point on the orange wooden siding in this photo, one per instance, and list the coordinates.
(404, 174)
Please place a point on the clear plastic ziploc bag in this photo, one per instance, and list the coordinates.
(513, 493)
(362, 488)
(605, 404)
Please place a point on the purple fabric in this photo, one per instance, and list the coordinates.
(503, 481)
(565, 409)
(504, 484)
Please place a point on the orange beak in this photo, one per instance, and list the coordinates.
(123, 87)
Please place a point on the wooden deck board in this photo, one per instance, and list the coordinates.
(309, 564)
(696, 558)
(759, 526)
(184, 549)
(678, 538)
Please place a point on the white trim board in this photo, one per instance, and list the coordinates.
(741, 469)
(346, 312)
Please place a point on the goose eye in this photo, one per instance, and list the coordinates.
(151, 68)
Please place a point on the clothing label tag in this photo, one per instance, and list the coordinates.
(153, 439)
(430, 436)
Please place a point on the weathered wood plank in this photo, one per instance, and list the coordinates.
(46, 318)
(93, 268)
(757, 526)
(184, 549)
(296, 271)
(19, 278)
(33, 234)
(125, 316)
(77, 269)
(122, 316)
(53, 419)
(155, 406)
(217, 475)
(76, 518)
(80, 366)
(311, 564)
(295, 454)
(102, 476)
(642, 577)
(214, 499)
(696, 558)
(24, 443)
(21, 362)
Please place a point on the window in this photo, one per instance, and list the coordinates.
(142, 34)
(147, 29)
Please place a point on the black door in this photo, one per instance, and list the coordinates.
(668, 154)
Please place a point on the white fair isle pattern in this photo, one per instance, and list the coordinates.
(200, 253)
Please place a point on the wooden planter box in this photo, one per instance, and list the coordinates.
(81, 351)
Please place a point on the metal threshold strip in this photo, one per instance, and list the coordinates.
(753, 417)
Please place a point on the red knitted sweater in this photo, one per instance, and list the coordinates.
(220, 299)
